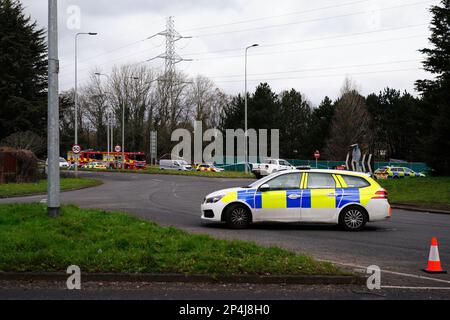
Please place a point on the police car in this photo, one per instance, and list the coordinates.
(208, 168)
(95, 165)
(349, 199)
(397, 173)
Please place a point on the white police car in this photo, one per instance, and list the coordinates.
(349, 199)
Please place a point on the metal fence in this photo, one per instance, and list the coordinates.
(325, 164)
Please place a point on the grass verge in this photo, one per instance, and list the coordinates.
(25, 189)
(156, 170)
(431, 193)
(99, 241)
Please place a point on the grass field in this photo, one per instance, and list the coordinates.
(225, 174)
(425, 192)
(99, 241)
(23, 189)
(156, 170)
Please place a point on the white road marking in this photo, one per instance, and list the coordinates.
(408, 275)
(415, 288)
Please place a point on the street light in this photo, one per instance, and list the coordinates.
(53, 188)
(76, 90)
(246, 114)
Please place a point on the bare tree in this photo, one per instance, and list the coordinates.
(94, 102)
(220, 100)
(129, 88)
(351, 123)
(151, 102)
(206, 102)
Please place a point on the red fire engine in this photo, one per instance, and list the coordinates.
(133, 160)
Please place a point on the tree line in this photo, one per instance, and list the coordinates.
(391, 124)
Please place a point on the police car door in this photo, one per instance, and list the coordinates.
(319, 198)
(282, 201)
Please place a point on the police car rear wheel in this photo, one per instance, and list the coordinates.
(238, 217)
(353, 219)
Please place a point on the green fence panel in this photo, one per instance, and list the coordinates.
(231, 164)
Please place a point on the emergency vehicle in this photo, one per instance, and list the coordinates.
(133, 160)
(208, 168)
(95, 165)
(397, 173)
(350, 199)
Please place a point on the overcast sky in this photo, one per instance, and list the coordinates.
(307, 45)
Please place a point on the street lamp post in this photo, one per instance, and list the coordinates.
(246, 108)
(53, 188)
(76, 91)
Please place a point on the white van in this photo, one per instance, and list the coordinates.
(179, 165)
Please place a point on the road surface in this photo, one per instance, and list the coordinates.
(400, 247)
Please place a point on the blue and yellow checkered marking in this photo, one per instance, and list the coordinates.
(294, 203)
(308, 199)
(346, 196)
(392, 175)
(248, 196)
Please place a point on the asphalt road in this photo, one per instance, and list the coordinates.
(400, 247)
(183, 291)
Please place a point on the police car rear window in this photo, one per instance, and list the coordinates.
(355, 182)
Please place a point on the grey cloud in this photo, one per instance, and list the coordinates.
(121, 22)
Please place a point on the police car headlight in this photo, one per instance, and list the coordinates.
(214, 199)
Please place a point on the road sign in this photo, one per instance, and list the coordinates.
(317, 155)
(76, 149)
(117, 148)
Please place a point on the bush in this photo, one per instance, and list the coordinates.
(18, 166)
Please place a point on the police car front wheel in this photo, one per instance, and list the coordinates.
(237, 217)
(353, 219)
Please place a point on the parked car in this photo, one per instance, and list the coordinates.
(62, 163)
(397, 173)
(179, 165)
(95, 165)
(270, 166)
(208, 168)
(350, 199)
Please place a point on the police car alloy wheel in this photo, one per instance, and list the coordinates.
(238, 217)
(353, 219)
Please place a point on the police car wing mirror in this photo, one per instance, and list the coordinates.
(264, 188)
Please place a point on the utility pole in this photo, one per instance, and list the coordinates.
(112, 133)
(171, 58)
(246, 109)
(53, 189)
(107, 132)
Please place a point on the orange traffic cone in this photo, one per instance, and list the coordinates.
(434, 262)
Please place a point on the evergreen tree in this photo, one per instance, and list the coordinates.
(436, 93)
(262, 103)
(264, 109)
(319, 128)
(233, 114)
(295, 117)
(23, 72)
(395, 124)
